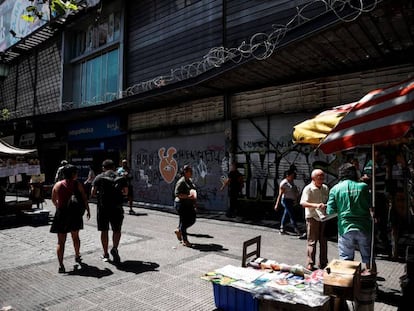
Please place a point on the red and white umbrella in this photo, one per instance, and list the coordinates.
(381, 115)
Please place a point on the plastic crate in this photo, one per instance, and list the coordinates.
(228, 298)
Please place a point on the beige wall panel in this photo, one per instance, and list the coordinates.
(205, 110)
(316, 95)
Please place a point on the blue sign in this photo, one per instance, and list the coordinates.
(93, 129)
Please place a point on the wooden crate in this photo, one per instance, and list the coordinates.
(341, 278)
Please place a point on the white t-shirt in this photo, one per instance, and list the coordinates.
(313, 194)
(290, 190)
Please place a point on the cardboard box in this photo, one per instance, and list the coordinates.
(228, 298)
(341, 278)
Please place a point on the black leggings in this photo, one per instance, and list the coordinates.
(187, 215)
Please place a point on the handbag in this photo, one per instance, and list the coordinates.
(76, 202)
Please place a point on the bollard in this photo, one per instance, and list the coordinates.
(365, 298)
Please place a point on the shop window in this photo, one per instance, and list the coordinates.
(97, 35)
(95, 80)
(93, 71)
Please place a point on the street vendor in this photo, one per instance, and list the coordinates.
(351, 200)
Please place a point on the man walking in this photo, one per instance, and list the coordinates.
(59, 172)
(351, 200)
(109, 189)
(314, 198)
(235, 183)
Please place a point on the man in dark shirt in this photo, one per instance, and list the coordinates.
(109, 189)
(235, 183)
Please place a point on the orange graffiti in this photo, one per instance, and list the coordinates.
(168, 166)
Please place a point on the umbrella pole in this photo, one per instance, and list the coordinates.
(371, 259)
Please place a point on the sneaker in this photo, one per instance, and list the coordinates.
(105, 257)
(115, 255)
(281, 231)
(303, 236)
(78, 259)
(178, 234)
(62, 269)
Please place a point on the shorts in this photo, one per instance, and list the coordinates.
(347, 244)
(114, 217)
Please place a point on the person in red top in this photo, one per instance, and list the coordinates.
(66, 220)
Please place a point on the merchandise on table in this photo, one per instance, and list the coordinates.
(269, 280)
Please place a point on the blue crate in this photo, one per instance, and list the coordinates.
(228, 298)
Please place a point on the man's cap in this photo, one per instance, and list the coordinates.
(63, 162)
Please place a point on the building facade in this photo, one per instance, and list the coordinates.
(201, 82)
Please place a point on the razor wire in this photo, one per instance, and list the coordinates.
(260, 46)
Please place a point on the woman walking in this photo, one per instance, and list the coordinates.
(185, 204)
(66, 219)
(288, 196)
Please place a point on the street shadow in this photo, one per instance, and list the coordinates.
(197, 235)
(136, 266)
(84, 269)
(137, 214)
(391, 298)
(208, 247)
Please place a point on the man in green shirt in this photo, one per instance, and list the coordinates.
(351, 200)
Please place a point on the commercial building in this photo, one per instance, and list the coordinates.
(201, 82)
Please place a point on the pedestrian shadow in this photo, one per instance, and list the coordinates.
(84, 269)
(197, 235)
(208, 247)
(136, 266)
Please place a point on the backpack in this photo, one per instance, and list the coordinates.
(110, 192)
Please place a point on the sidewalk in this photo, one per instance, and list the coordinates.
(156, 272)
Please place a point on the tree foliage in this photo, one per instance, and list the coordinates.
(57, 8)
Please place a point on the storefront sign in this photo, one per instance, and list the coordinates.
(93, 129)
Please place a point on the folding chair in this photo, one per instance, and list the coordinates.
(256, 252)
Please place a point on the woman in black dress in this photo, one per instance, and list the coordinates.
(67, 220)
(185, 204)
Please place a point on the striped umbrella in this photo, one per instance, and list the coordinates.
(381, 115)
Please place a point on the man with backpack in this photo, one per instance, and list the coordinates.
(110, 190)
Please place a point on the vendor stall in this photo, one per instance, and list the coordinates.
(266, 285)
(17, 166)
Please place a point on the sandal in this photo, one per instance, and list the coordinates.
(178, 234)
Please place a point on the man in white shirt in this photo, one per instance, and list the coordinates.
(314, 198)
